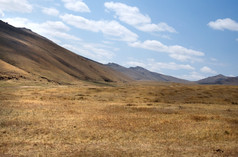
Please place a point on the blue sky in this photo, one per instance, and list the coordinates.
(183, 38)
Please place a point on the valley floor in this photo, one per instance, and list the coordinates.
(139, 119)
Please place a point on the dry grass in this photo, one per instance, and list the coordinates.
(126, 120)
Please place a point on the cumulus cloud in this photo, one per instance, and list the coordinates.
(175, 51)
(170, 66)
(193, 76)
(96, 52)
(50, 11)
(206, 69)
(22, 6)
(222, 24)
(153, 65)
(50, 29)
(133, 17)
(160, 27)
(112, 29)
(76, 5)
(1, 13)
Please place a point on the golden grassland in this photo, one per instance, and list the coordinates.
(137, 119)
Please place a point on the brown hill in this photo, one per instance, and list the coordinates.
(8, 71)
(32, 55)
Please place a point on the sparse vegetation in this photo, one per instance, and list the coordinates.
(56, 103)
(119, 120)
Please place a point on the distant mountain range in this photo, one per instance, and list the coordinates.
(219, 79)
(139, 73)
(27, 55)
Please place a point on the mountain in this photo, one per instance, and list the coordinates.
(219, 79)
(139, 73)
(27, 55)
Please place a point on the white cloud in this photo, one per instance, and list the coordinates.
(98, 49)
(214, 60)
(206, 69)
(17, 22)
(193, 76)
(50, 11)
(50, 29)
(183, 58)
(22, 6)
(153, 65)
(133, 17)
(236, 39)
(128, 14)
(76, 5)
(96, 52)
(112, 29)
(175, 51)
(222, 24)
(171, 66)
(161, 27)
(1, 13)
(136, 63)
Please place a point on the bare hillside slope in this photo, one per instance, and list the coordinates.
(39, 56)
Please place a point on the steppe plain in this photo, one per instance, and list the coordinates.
(127, 119)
